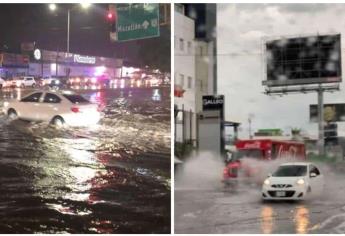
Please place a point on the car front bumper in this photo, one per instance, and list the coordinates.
(291, 193)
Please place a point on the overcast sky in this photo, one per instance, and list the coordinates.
(241, 31)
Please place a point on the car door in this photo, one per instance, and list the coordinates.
(50, 106)
(316, 180)
(29, 106)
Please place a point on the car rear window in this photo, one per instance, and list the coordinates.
(74, 98)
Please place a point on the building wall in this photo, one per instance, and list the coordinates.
(184, 75)
(185, 60)
(204, 61)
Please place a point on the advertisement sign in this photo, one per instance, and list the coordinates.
(84, 59)
(137, 21)
(27, 46)
(37, 54)
(332, 112)
(210, 102)
(303, 60)
(14, 60)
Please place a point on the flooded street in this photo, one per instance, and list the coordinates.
(218, 209)
(110, 178)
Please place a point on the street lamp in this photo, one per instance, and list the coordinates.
(53, 7)
(85, 5)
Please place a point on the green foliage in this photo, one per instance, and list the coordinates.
(182, 150)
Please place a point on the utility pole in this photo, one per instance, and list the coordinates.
(321, 141)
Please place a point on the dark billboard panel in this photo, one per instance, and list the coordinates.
(303, 60)
(332, 112)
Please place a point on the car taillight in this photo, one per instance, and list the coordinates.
(75, 109)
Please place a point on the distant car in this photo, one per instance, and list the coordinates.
(58, 108)
(52, 83)
(293, 181)
(25, 81)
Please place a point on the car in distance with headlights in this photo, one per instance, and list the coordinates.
(293, 181)
(57, 108)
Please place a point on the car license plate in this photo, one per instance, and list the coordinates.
(280, 194)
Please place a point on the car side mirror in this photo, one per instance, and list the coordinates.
(312, 175)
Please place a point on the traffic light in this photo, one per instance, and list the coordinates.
(110, 16)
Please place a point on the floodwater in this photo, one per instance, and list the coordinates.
(113, 177)
(207, 206)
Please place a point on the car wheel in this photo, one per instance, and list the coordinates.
(12, 114)
(33, 85)
(58, 121)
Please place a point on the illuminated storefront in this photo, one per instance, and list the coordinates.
(45, 63)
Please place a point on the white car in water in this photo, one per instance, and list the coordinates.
(293, 181)
(25, 81)
(58, 108)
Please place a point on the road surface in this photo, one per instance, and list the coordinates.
(110, 178)
(218, 209)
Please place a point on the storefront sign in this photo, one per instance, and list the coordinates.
(84, 59)
(213, 102)
(37, 54)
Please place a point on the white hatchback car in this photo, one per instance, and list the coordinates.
(293, 181)
(58, 108)
(25, 81)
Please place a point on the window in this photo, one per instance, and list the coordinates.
(189, 82)
(181, 44)
(51, 98)
(290, 171)
(182, 80)
(74, 98)
(32, 98)
(189, 47)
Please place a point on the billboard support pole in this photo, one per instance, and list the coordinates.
(320, 120)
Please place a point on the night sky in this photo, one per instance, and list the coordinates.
(89, 32)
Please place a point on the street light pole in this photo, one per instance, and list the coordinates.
(68, 25)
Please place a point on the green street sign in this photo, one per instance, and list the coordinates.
(137, 21)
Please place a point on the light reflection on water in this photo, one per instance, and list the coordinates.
(267, 219)
(301, 219)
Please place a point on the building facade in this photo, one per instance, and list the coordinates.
(195, 65)
(184, 74)
(44, 63)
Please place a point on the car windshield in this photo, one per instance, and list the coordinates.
(290, 171)
(75, 98)
(251, 153)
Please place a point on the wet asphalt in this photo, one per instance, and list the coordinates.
(113, 177)
(222, 209)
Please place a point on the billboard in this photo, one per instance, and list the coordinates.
(304, 60)
(332, 112)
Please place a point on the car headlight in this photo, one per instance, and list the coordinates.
(267, 182)
(300, 182)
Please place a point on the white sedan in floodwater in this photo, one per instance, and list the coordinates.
(57, 108)
(293, 181)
